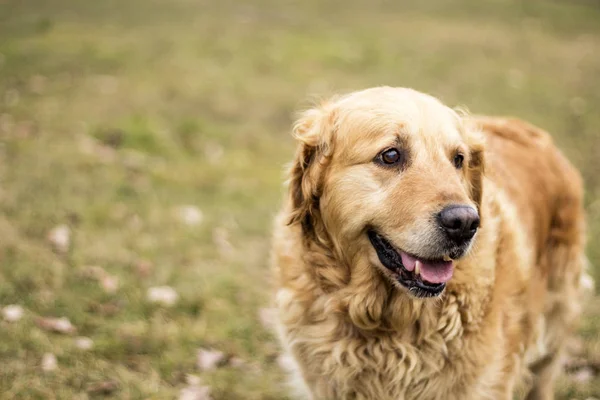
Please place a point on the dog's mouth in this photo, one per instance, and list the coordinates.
(422, 277)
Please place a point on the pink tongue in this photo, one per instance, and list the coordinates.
(408, 261)
(432, 272)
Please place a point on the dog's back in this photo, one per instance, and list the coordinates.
(547, 193)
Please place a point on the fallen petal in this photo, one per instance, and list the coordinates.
(60, 325)
(84, 343)
(12, 313)
(237, 362)
(583, 375)
(209, 359)
(193, 380)
(60, 237)
(110, 284)
(195, 393)
(49, 362)
(164, 295)
(190, 215)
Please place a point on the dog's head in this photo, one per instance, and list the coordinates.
(393, 177)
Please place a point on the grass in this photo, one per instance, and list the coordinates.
(115, 114)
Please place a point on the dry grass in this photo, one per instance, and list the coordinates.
(114, 115)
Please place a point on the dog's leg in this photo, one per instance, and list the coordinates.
(545, 372)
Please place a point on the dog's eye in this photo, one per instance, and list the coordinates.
(390, 156)
(458, 161)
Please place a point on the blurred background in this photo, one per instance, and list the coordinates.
(142, 145)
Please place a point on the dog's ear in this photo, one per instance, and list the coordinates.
(314, 132)
(476, 167)
(476, 170)
(472, 133)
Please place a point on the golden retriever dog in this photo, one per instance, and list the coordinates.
(425, 254)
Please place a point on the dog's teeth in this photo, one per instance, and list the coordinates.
(417, 268)
(447, 258)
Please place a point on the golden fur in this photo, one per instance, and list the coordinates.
(353, 332)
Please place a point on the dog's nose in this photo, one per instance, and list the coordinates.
(459, 222)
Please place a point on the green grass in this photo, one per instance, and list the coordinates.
(114, 114)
